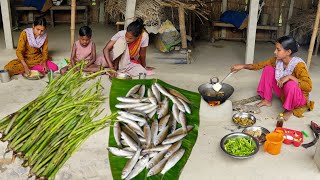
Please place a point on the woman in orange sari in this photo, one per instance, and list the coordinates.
(32, 50)
(126, 51)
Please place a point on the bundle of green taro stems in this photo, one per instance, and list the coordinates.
(48, 130)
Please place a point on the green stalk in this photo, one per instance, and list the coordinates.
(11, 123)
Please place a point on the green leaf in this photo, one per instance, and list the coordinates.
(120, 88)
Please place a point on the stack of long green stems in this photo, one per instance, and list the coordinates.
(48, 130)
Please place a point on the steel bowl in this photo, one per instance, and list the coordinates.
(263, 130)
(240, 135)
(244, 115)
(121, 76)
(40, 76)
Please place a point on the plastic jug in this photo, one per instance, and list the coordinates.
(273, 143)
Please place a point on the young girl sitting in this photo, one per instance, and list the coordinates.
(286, 75)
(83, 49)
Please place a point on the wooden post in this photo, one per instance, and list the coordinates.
(182, 24)
(223, 9)
(315, 53)
(289, 16)
(73, 21)
(251, 31)
(313, 37)
(130, 12)
(6, 19)
(102, 12)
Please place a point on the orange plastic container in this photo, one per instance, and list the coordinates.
(273, 143)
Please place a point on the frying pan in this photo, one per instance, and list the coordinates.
(209, 94)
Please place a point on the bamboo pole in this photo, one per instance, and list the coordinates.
(313, 37)
(73, 21)
(182, 24)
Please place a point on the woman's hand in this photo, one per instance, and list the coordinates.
(45, 67)
(27, 70)
(237, 67)
(283, 81)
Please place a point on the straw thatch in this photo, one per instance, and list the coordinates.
(152, 11)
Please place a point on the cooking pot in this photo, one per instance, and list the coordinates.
(209, 94)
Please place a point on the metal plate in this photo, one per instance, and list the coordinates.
(244, 115)
(240, 135)
(263, 130)
(41, 75)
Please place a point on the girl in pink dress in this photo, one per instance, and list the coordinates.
(83, 50)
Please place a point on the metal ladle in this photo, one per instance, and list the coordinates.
(217, 86)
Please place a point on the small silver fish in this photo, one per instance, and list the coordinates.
(154, 130)
(178, 95)
(130, 106)
(142, 108)
(150, 93)
(175, 147)
(175, 112)
(147, 134)
(161, 136)
(132, 116)
(147, 111)
(142, 140)
(186, 106)
(157, 168)
(132, 124)
(163, 122)
(117, 133)
(157, 148)
(172, 124)
(124, 143)
(129, 149)
(173, 160)
(130, 164)
(156, 159)
(125, 128)
(141, 164)
(130, 141)
(120, 152)
(156, 93)
(153, 100)
(174, 139)
(173, 98)
(179, 131)
(183, 121)
(164, 108)
(131, 100)
(133, 90)
(142, 91)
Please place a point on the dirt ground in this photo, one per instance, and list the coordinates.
(207, 160)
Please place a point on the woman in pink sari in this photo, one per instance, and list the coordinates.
(32, 50)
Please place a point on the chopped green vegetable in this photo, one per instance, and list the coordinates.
(240, 146)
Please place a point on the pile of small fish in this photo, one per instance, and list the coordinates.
(148, 140)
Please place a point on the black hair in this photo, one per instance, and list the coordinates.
(85, 31)
(41, 20)
(136, 27)
(288, 43)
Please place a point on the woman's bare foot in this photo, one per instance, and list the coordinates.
(287, 115)
(264, 102)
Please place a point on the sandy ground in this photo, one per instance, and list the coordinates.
(207, 160)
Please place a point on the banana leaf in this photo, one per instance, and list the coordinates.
(119, 88)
